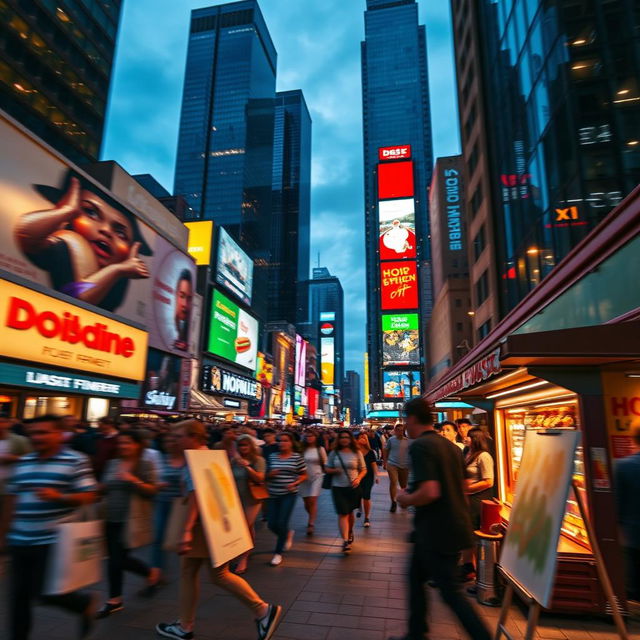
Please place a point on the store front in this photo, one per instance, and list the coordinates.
(568, 357)
(226, 393)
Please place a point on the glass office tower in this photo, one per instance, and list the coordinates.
(396, 111)
(291, 209)
(562, 91)
(55, 70)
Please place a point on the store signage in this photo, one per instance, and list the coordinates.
(567, 217)
(200, 235)
(479, 372)
(394, 153)
(399, 285)
(50, 380)
(160, 399)
(40, 328)
(231, 404)
(215, 379)
(454, 210)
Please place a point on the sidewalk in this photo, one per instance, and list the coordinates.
(326, 596)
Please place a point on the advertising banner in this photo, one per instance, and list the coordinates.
(300, 377)
(622, 407)
(215, 379)
(221, 513)
(401, 384)
(43, 329)
(327, 360)
(395, 180)
(397, 229)
(162, 388)
(200, 240)
(400, 339)
(402, 152)
(235, 267)
(233, 333)
(399, 285)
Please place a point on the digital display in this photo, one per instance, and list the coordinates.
(402, 152)
(300, 378)
(400, 339)
(397, 229)
(235, 268)
(399, 285)
(395, 180)
(200, 237)
(327, 361)
(401, 384)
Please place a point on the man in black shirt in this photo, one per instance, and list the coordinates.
(442, 523)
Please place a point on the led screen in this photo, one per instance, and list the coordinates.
(397, 229)
(200, 234)
(327, 361)
(395, 180)
(399, 285)
(400, 339)
(401, 384)
(235, 268)
(301, 362)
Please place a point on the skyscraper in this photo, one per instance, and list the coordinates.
(55, 70)
(549, 109)
(352, 398)
(398, 162)
(291, 208)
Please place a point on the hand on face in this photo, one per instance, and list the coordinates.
(133, 266)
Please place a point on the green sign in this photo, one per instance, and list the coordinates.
(399, 322)
(49, 380)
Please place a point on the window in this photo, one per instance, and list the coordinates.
(476, 200)
(458, 303)
(479, 243)
(482, 288)
(473, 160)
(459, 327)
(471, 120)
(484, 330)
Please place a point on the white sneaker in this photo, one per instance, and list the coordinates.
(276, 560)
(289, 543)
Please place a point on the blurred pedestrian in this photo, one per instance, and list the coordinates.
(396, 461)
(315, 457)
(371, 477)
(450, 432)
(106, 445)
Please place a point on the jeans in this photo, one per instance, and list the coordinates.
(161, 516)
(28, 570)
(119, 559)
(279, 510)
(442, 568)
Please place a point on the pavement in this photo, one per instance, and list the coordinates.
(325, 595)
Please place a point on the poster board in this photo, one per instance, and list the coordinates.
(221, 512)
(529, 550)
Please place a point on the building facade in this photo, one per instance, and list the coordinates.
(55, 70)
(291, 208)
(352, 397)
(549, 108)
(397, 151)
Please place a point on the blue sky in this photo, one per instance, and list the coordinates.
(318, 44)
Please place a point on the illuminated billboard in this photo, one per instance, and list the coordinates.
(395, 180)
(327, 361)
(200, 236)
(400, 339)
(402, 152)
(401, 384)
(398, 285)
(235, 267)
(397, 229)
(300, 377)
(233, 333)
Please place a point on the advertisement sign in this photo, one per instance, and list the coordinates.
(215, 379)
(327, 316)
(50, 380)
(529, 550)
(397, 229)
(401, 384)
(327, 329)
(264, 371)
(235, 267)
(300, 376)
(162, 388)
(395, 180)
(200, 240)
(480, 371)
(453, 195)
(233, 333)
(622, 406)
(221, 513)
(400, 339)
(43, 329)
(313, 398)
(399, 285)
(327, 360)
(394, 153)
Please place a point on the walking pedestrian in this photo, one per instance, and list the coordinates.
(442, 525)
(106, 445)
(195, 555)
(315, 457)
(46, 486)
(286, 472)
(347, 466)
(126, 477)
(367, 483)
(450, 431)
(396, 462)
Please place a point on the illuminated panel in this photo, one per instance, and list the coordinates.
(395, 180)
(398, 285)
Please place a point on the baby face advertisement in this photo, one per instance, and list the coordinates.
(397, 229)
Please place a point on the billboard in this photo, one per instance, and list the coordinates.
(300, 376)
(200, 239)
(397, 229)
(162, 385)
(401, 384)
(399, 285)
(327, 316)
(216, 379)
(233, 333)
(395, 180)
(400, 339)
(235, 267)
(402, 152)
(327, 361)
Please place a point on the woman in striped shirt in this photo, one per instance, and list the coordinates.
(286, 472)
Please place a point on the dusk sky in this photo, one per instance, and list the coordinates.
(318, 45)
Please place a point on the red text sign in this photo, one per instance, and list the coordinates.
(399, 285)
(394, 153)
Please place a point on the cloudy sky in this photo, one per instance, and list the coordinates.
(318, 44)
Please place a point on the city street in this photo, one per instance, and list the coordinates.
(325, 596)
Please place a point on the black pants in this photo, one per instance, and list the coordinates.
(120, 560)
(28, 569)
(632, 572)
(442, 569)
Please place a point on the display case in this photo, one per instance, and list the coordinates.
(554, 415)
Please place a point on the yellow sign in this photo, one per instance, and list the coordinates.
(39, 328)
(200, 236)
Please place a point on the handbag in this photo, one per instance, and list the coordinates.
(258, 490)
(139, 530)
(327, 481)
(75, 559)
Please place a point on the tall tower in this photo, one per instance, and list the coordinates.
(398, 161)
(56, 68)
